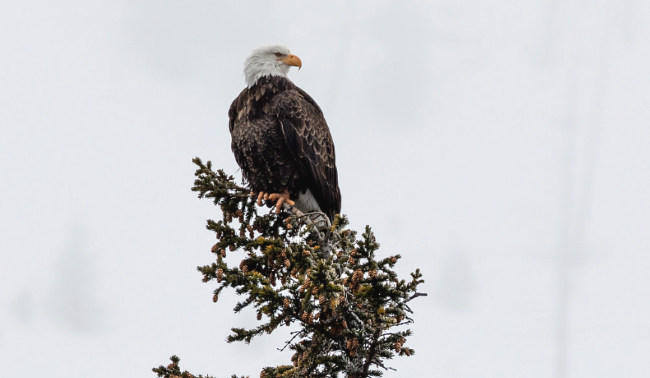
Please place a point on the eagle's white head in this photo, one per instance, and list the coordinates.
(269, 61)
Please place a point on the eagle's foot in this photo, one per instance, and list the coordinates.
(281, 198)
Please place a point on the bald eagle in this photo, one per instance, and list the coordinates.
(280, 138)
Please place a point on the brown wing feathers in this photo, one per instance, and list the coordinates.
(309, 140)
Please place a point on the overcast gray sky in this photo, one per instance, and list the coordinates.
(501, 147)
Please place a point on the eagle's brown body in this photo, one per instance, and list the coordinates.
(281, 142)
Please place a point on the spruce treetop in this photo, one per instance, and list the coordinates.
(348, 304)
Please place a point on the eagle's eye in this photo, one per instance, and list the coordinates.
(278, 54)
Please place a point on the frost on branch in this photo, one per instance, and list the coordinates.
(349, 305)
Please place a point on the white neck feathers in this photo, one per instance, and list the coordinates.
(258, 65)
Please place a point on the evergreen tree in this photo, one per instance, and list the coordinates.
(348, 302)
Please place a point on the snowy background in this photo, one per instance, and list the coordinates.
(502, 147)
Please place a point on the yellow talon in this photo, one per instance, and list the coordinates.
(279, 198)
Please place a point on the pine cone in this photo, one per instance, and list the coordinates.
(352, 346)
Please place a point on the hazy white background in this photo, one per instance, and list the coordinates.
(501, 147)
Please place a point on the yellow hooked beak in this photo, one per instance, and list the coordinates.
(292, 60)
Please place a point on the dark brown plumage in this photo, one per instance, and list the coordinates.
(281, 142)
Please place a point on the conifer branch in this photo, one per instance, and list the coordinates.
(296, 269)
